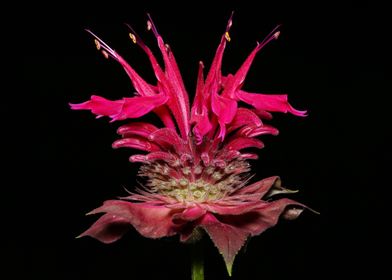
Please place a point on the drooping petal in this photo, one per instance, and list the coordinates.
(231, 208)
(240, 143)
(136, 107)
(260, 187)
(244, 117)
(262, 114)
(269, 102)
(166, 137)
(267, 215)
(150, 221)
(228, 239)
(250, 131)
(151, 157)
(142, 129)
(189, 214)
(135, 142)
(100, 106)
(108, 228)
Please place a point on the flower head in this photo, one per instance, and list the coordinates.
(195, 166)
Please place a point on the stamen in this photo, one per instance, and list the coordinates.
(227, 36)
(149, 25)
(105, 54)
(97, 44)
(133, 37)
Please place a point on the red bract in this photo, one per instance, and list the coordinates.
(195, 168)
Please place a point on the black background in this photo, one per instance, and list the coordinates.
(331, 59)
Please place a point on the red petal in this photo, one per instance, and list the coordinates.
(150, 221)
(261, 187)
(244, 117)
(267, 215)
(199, 112)
(257, 131)
(231, 208)
(165, 137)
(108, 228)
(178, 102)
(135, 143)
(188, 215)
(269, 102)
(100, 106)
(228, 239)
(225, 110)
(240, 143)
(136, 107)
(234, 83)
(137, 128)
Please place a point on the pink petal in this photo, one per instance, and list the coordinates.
(228, 239)
(189, 214)
(257, 131)
(108, 228)
(150, 221)
(214, 76)
(100, 106)
(137, 128)
(199, 112)
(141, 86)
(267, 215)
(135, 143)
(153, 156)
(231, 208)
(244, 117)
(236, 81)
(240, 143)
(225, 110)
(261, 187)
(262, 114)
(136, 107)
(166, 137)
(178, 101)
(269, 102)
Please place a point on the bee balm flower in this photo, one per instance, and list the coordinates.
(195, 166)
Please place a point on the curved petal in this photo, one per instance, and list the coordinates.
(107, 229)
(137, 128)
(267, 215)
(135, 142)
(188, 215)
(265, 188)
(150, 221)
(240, 143)
(225, 110)
(100, 106)
(269, 102)
(136, 107)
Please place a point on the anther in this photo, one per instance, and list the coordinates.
(133, 37)
(97, 44)
(227, 36)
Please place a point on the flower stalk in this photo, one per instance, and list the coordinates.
(197, 259)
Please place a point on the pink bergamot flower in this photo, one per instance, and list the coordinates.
(195, 166)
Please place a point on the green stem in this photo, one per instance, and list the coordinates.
(197, 261)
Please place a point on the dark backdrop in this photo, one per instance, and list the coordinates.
(330, 58)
